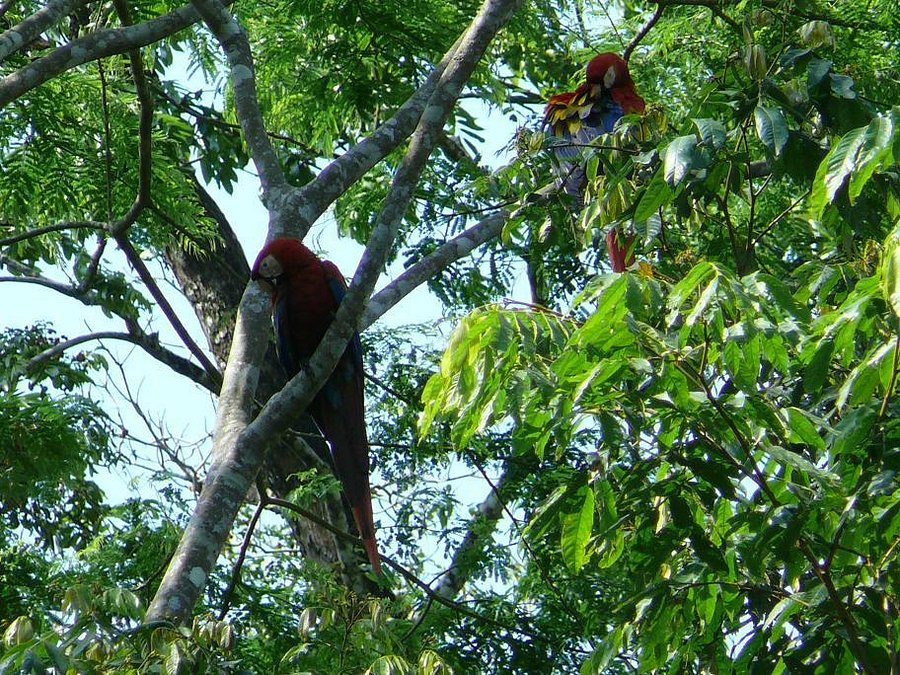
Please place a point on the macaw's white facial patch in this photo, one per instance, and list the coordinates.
(270, 268)
(609, 78)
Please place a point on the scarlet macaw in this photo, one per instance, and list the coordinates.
(306, 292)
(577, 117)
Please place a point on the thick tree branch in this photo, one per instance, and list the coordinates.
(91, 47)
(489, 511)
(432, 264)
(240, 62)
(214, 285)
(493, 15)
(313, 199)
(148, 343)
(29, 29)
(239, 445)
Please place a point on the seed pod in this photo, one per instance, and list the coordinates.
(815, 34)
(756, 61)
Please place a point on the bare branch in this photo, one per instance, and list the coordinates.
(642, 33)
(314, 198)
(489, 510)
(144, 273)
(28, 275)
(432, 594)
(716, 7)
(145, 129)
(48, 229)
(148, 343)
(237, 50)
(94, 265)
(432, 264)
(242, 554)
(63, 345)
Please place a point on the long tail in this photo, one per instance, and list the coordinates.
(362, 514)
(338, 412)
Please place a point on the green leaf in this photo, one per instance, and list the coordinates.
(657, 194)
(816, 72)
(835, 170)
(875, 153)
(606, 651)
(865, 377)
(576, 530)
(771, 127)
(796, 461)
(817, 369)
(679, 158)
(783, 610)
(547, 513)
(842, 86)
(700, 273)
(802, 429)
(712, 132)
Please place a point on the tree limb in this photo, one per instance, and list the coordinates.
(49, 229)
(30, 28)
(148, 343)
(243, 80)
(432, 264)
(239, 445)
(490, 510)
(91, 47)
(313, 199)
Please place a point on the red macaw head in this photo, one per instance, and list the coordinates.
(609, 70)
(277, 257)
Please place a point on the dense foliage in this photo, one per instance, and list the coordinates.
(687, 467)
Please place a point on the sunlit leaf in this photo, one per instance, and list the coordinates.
(576, 529)
(771, 127)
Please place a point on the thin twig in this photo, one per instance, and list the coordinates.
(405, 573)
(890, 387)
(645, 29)
(242, 554)
(48, 229)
